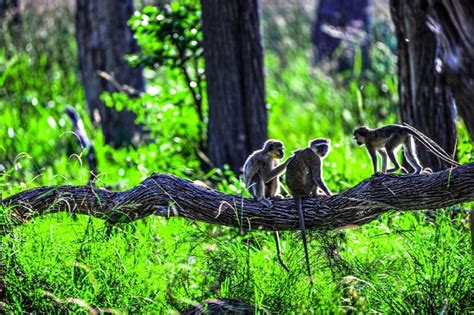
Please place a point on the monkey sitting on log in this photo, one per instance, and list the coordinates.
(261, 177)
(262, 171)
(304, 177)
(385, 141)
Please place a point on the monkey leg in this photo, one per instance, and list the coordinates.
(259, 192)
(411, 157)
(266, 202)
(390, 147)
(277, 243)
(299, 208)
(272, 188)
(383, 154)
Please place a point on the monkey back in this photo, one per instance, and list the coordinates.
(298, 172)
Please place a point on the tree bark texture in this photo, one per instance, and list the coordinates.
(426, 102)
(103, 40)
(341, 14)
(233, 54)
(453, 23)
(167, 195)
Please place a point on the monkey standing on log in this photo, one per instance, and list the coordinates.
(304, 177)
(261, 177)
(385, 140)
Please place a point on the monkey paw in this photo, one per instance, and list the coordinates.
(427, 170)
(267, 203)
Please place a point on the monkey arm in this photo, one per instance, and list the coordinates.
(373, 157)
(317, 174)
(253, 170)
(321, 184)
(277, 171)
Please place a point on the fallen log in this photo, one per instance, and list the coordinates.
(168, 195)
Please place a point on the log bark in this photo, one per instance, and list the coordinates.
(426, 101)
(103, 39)
(167, 195)
(233, 54)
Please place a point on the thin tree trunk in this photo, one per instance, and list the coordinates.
(103, 39)
(426, 102)
(12, 7)
(453, 23)
(233, 54)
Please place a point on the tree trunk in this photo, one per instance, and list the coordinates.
(346, 17)
(233, 54)
(453, 23)
(426, 102)
(12, 7)
(103, 39)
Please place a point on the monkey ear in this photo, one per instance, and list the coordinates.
(319, 141)
(362, 130)
(267, 145)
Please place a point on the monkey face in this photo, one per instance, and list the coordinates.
(278, 151)
(359, 139)
(322, 150)
(275, 148)
(320, 146)
(359, 135)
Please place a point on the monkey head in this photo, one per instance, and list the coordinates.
(274, 148)
(360, 134)
(320, 146)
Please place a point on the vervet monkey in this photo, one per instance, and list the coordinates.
(261, 177)
(262, 169)
(304, 177)
(385, 141)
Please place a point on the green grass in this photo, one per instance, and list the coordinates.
(400, 263)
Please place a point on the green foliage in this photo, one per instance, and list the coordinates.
(169, 34)
(170, 37)
(165, 118)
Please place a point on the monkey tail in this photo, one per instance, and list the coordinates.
(280, 259)
(299, 208)
(432, 146)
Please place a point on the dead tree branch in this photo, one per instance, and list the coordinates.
(167, 195)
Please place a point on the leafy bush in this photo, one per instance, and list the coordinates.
(170, 37)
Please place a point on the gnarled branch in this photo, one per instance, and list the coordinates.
(167, 195)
